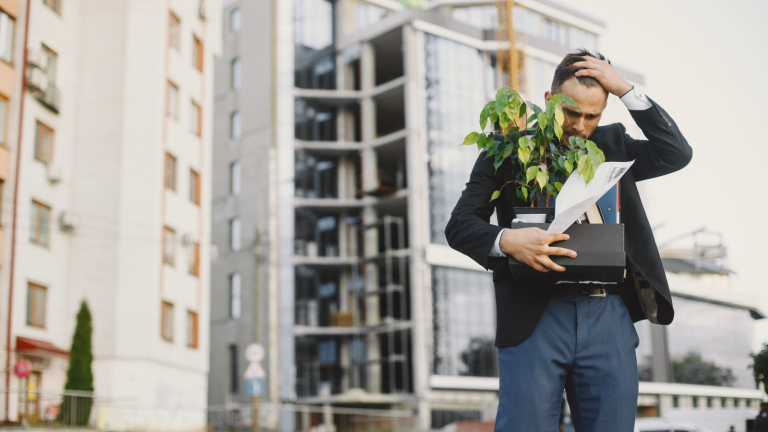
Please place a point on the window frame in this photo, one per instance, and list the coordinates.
(171, 171)
(31, 318)
(41, 154)
(56, 7)
(172, 101)
(166, 321)
(36, 232)
(232, 128)
(196, 118)
(194, 186)
(235, 181)
(169, 245)
(236, 74)
(235, 229)
(235, 291)
(194, 262)
(239, 27)
(193, 330)
(11, 32)
(4, 102)
(174, 31)
(198, 53)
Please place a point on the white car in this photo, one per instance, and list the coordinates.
(661, 425)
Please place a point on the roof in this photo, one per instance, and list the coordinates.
(34, 346)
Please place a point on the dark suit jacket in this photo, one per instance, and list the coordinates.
(645, 291)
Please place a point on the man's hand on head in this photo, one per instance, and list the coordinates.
(602, 71)
(531, 246)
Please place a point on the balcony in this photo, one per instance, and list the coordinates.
(42, 87)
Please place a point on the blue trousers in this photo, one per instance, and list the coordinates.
(585, 345)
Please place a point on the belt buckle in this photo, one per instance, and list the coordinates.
(598, 291)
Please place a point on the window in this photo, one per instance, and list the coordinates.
(167, 321)
(194, 186)
(36, 296)
(234, 296)
(194, 260)
(236, 74)
(195, 117)
(197, 53)
(174, 31)
(6, 37)
(234, 125)
(41, 215)
(43, 143)
(235, 20)
(49, 61)
(555, 32)
(234, 234)
(173, 101)
(3, 121)
(192, 329)
(169, 246)
(234, 375)
(170, 172)
(234, 178)
(53, 4)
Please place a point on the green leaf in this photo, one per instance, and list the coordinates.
(495, 195)
(542, 121)
(501, 100)
(525, 192)
(471, 138)
(559, 115)
(583, 161)
(524, 154)
(568, 166)
(572, 141)
(519, 194)
(526, 142)
(522, 110)
(503, 121)
(558, 131)
(542, 178)
(482, 142)
(558, 185)
(570, 101)
(530, 174)
(483, 119)
(591, 147)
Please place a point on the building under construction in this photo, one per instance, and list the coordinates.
(337, 164)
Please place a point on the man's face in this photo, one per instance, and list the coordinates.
(582, 121)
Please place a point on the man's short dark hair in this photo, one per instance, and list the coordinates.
(566, 69)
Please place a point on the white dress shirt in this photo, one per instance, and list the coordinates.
(634, 102)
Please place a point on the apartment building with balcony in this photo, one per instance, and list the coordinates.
(336, 167)
(107, 202)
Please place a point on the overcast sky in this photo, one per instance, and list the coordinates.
(706, 63)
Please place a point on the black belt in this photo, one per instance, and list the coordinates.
(592, 290)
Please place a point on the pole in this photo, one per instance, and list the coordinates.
(255, 414)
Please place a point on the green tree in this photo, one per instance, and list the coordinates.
(75, 410)
(692, 369)
(760, 367)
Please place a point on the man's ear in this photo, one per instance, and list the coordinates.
(547, 96)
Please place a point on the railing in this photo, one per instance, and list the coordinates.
(309, 418)
(35, 407)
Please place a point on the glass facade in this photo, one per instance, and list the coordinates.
(711, 342)
(464, 323)
(455, 90)
(313, 25)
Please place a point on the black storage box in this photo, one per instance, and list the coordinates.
(599, 249)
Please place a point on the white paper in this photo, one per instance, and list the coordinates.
(576, 196)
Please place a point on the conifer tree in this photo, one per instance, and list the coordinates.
(75, 410)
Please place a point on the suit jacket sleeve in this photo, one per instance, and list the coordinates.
(469, 230)
(664, 152)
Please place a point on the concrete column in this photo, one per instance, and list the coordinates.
(418, 219)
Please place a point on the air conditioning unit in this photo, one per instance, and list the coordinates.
(187, 240)
(54, 173)
(201, 10)
(65, 221)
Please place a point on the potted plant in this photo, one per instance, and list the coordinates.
(532, 140)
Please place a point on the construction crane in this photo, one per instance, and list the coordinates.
(510, 60)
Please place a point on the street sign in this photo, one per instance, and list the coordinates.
(255, 376)
(22, 368)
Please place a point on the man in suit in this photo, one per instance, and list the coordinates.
(580, 336)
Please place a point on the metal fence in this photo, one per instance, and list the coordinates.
(33, 407)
